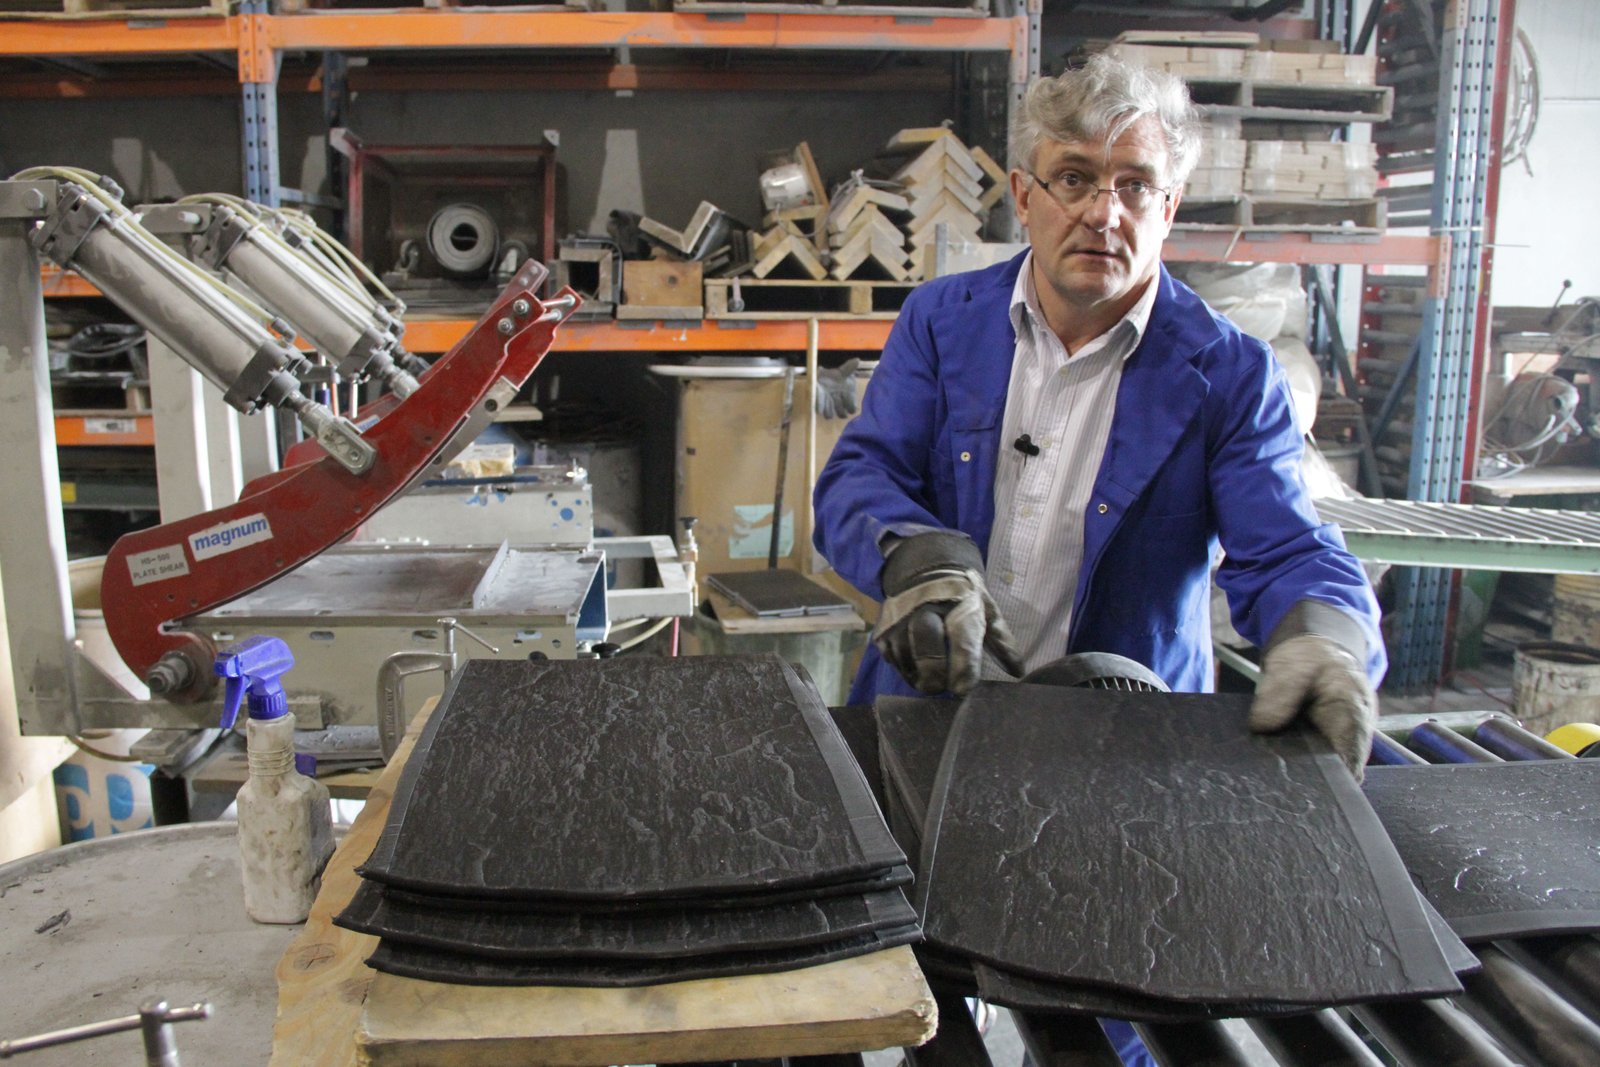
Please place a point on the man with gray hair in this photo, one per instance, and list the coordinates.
(1051, 449)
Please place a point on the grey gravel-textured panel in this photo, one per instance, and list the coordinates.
(630, 779)
(778, 592)
(1501, 849)
(630, 935)
(436, 966)
(1150, 842)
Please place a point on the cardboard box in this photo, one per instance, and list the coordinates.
(727, 467)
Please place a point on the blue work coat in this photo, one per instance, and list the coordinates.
(1203, 447)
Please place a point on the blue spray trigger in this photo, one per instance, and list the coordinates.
(252, 668)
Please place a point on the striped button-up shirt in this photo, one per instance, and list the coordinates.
(1064, 403)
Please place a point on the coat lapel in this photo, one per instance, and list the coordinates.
(976, 345)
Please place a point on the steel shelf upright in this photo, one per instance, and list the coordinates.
(1450, 348)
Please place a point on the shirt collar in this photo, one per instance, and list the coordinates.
(1025, 310)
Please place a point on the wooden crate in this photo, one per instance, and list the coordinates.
(660, 289)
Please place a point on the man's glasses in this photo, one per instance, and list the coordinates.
(1070, 190)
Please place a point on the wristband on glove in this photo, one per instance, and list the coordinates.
(937, 617)
(1310, 666)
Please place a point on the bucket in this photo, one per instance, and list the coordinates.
(1554, 683)
(1575, 612)
(100, 797)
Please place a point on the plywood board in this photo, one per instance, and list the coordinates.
(875, 1001)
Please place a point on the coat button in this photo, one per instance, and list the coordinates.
(966, 457)
(1103, 509)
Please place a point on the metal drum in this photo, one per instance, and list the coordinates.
(1553, 683)
(91, 930)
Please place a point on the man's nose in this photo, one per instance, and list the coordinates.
(1102, 208)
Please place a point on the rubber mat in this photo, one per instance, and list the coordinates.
(630, 778)
(436, 966)
(1501, 849)
(1149, 842)
(859, 729)
(635, 936)
(894, 878)
(911, 737)
(1034, 995)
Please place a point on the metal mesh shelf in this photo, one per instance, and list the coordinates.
(1468, 536)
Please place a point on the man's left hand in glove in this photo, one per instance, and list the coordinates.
(1312, 666)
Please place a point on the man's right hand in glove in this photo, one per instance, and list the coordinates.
(937, 616)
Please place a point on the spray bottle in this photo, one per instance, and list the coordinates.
(285, 829)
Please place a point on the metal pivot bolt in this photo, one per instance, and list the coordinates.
(172, 673)
(520, 308)
(505, 326)
(557, 308)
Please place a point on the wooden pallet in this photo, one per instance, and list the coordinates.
(1250, 99)
(896, 8)
(112, 9)
(767, 298)
(1282, 214)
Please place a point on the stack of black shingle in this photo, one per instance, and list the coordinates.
(626, 822)
(1143, 855)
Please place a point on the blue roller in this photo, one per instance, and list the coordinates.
(1387, 752)
(1509, 741)
(1440, 744)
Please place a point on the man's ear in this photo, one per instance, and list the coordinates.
(1172, 207)
(1021, 186)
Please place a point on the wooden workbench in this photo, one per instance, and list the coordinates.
(336, 1011)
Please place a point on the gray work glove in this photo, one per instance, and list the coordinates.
(1310, 666)
(937, 616)
(836, 390)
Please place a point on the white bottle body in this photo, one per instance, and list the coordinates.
(285, 827)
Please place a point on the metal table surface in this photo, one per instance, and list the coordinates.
(1468, 536)
(156, 913)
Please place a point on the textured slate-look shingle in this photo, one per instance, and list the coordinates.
(630, 779)
(1151, 843)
